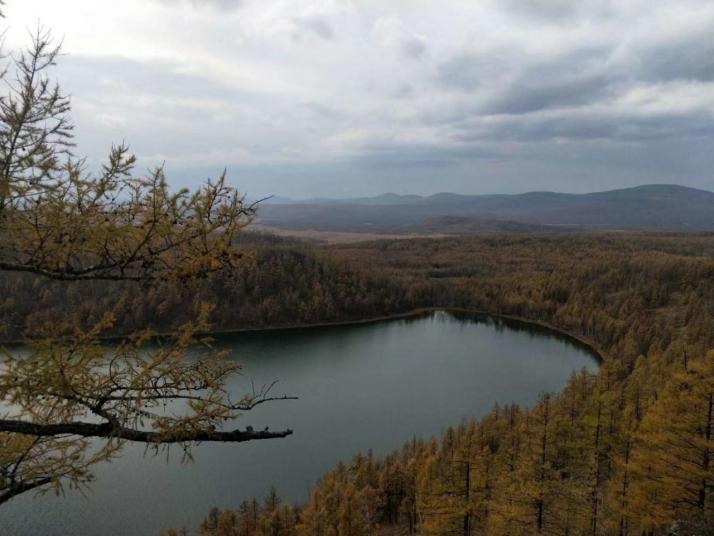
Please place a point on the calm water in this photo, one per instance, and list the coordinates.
(371, 385)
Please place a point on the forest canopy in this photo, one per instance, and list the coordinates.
(624, 452)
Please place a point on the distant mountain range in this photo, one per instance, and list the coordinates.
(662, 207)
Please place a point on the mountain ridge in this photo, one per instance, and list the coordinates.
(661, 207)
(399, 199)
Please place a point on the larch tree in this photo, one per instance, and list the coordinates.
(69, 402)
(672, 459)
(510, 511)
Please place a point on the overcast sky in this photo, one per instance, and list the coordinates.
(341, 98)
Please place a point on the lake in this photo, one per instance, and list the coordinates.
(359, 387)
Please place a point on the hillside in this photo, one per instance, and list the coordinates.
(650, 207)
(624, 452)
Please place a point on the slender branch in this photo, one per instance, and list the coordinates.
(245, 406)
(107, 430)
(67, 275)
(22, 487)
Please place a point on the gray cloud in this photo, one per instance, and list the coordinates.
(468, 70)
(533, 93)
(521, 86)
(162, 78)
(221, 5)
(413, 48)
(324, 112)
(317, 25)
(543, 8)
(393, 33)
(684, 57)
(599, 125)
(580, 93)
(558, 11)
(352, 98)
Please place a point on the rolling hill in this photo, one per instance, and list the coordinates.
(660, 207)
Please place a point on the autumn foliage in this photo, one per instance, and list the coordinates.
(624, 452)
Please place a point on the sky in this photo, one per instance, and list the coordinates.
(343, 98)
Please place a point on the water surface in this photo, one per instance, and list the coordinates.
(359, 387)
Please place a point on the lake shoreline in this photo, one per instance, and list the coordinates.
(586, 342)
(432, 370)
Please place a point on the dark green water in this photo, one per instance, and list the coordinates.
(360, 387)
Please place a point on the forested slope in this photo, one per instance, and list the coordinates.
(625, 452)
(280, 283)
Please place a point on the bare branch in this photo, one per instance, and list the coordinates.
(106, 430)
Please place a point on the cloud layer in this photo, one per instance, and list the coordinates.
(339, 97)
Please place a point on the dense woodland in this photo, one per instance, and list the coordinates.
(625, 452)
(279, 283)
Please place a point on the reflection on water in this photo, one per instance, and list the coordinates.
(359, 387)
